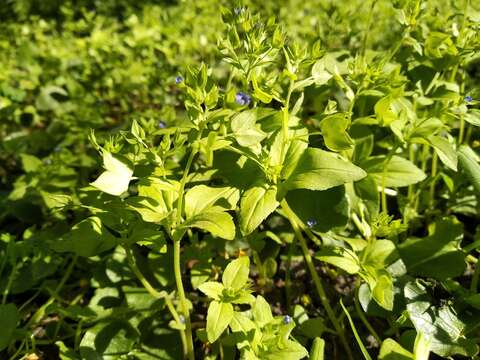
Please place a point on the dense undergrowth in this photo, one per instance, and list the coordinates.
(264, 180)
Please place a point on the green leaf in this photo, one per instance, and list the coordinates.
(214, 220)
(443, 324)
(473, 117)
(65, 353)
(201, 197)
(241, 323)
(317, 352)
(398, 171)
(391, 350)
(115, 179)
(421, 347)
(212, 289)
(290, 350)
(445, 151)
(321, 170)
(244, 129)
(470, 165)
(87, 238)
(108, 340)
(30, 163)
(334, 131)
(255, 205)
(9, 317)
(367, 190)
(382, 292)
(262, 312)
(294, 151)
(428, 256)
(380, 254)
(219, 316)
(236, 273)
(384, 111)
(343, 258)
(329, 208)
(320, 75)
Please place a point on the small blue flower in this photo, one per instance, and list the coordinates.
(311, 223)
(178, 79)
(161, 124)
(242, 99)
(238, 10)
(468, 98)
(287, 319)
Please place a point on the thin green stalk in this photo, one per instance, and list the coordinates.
(433, 183)
(156, 294)
(316, 279)
(367, 30)
(288, 276)
(9, 284)
(475, 277)
(362, 316)
(355, 332)
(183, 299)
(190, 354)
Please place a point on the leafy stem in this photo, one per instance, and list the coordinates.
(155, 293)
(316, 279)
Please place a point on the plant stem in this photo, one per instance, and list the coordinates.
(190, 354)
(434, 173)
(156, 294)
(362, 317)
(367, 30)
(183, 300)
(316, 278)
(476, 275)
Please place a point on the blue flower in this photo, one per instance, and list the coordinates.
(161, 124)
(242, 99)
(238, 10)
(311, 223)
(178, 79)
(287, 319)
(468, 98)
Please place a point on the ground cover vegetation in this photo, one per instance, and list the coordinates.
(257, 180)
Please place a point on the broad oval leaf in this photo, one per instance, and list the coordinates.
(343, 258)
(212, 289)
(396, 172)
(215, 221)
(9, 317)
(327, 209)
(321, 170)
(201, 197)
(236, 273)
(87, 238)
(219, 316)
(255, 205)
(429, 256)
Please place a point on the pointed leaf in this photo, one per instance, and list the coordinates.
(321, 170)
(219, 316)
